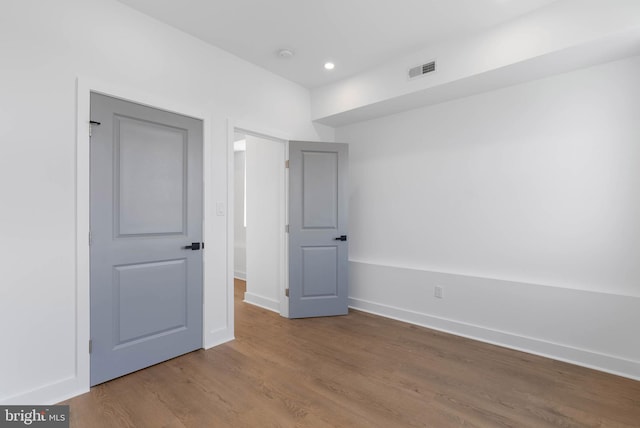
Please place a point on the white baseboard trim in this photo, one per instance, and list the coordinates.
(261, 301)
(218, 337)
(70, 387)
(581, 357)
(50, 394)
(240, 275)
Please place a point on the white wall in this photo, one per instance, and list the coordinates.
(45, 46)
(523, 203)
(265, 222)
(240, 232)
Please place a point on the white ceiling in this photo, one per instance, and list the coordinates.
(355, 34)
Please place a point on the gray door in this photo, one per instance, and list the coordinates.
(318, 251)
(146, 206)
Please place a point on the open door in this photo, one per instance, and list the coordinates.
(318, 246)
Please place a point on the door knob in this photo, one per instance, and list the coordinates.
(341, 238)
(194, 246)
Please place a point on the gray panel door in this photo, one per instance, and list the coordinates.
(146, 206)
(318, 258)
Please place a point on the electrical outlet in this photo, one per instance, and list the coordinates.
(437, 292)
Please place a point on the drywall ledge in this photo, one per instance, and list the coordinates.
(576, 326)
(617, 46)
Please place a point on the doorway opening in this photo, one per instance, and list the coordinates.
(260, 245)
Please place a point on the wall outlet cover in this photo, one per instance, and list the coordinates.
(437, 292)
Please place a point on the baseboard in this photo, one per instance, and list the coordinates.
(240, 275)
(261, 301)
(586, 328)
(218, 337)
(70, 387)
(50, 394)
(580, 357)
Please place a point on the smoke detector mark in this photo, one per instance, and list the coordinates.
(286, 53)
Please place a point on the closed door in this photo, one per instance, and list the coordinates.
(318, 246)
(146, 207)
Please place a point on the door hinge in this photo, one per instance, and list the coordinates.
(90, 345)
(286, 163)
(286, 228)
(286, 292)
(91, 123)
(90, 239)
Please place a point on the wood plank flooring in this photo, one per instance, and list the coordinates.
(359, 370)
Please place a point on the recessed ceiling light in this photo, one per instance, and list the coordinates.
(285, 53)
(329, 65)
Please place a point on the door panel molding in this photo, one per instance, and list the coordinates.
(324, 192)
(125, 173)
(125, 333)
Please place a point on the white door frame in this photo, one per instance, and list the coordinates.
(236, 127)
(215, 271)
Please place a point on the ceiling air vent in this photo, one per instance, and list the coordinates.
(421, 70)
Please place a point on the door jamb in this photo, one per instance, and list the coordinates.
(251, 130)
(85, 86)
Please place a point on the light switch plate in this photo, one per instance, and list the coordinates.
(220, 208)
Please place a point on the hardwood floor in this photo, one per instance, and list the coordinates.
(359, 370)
